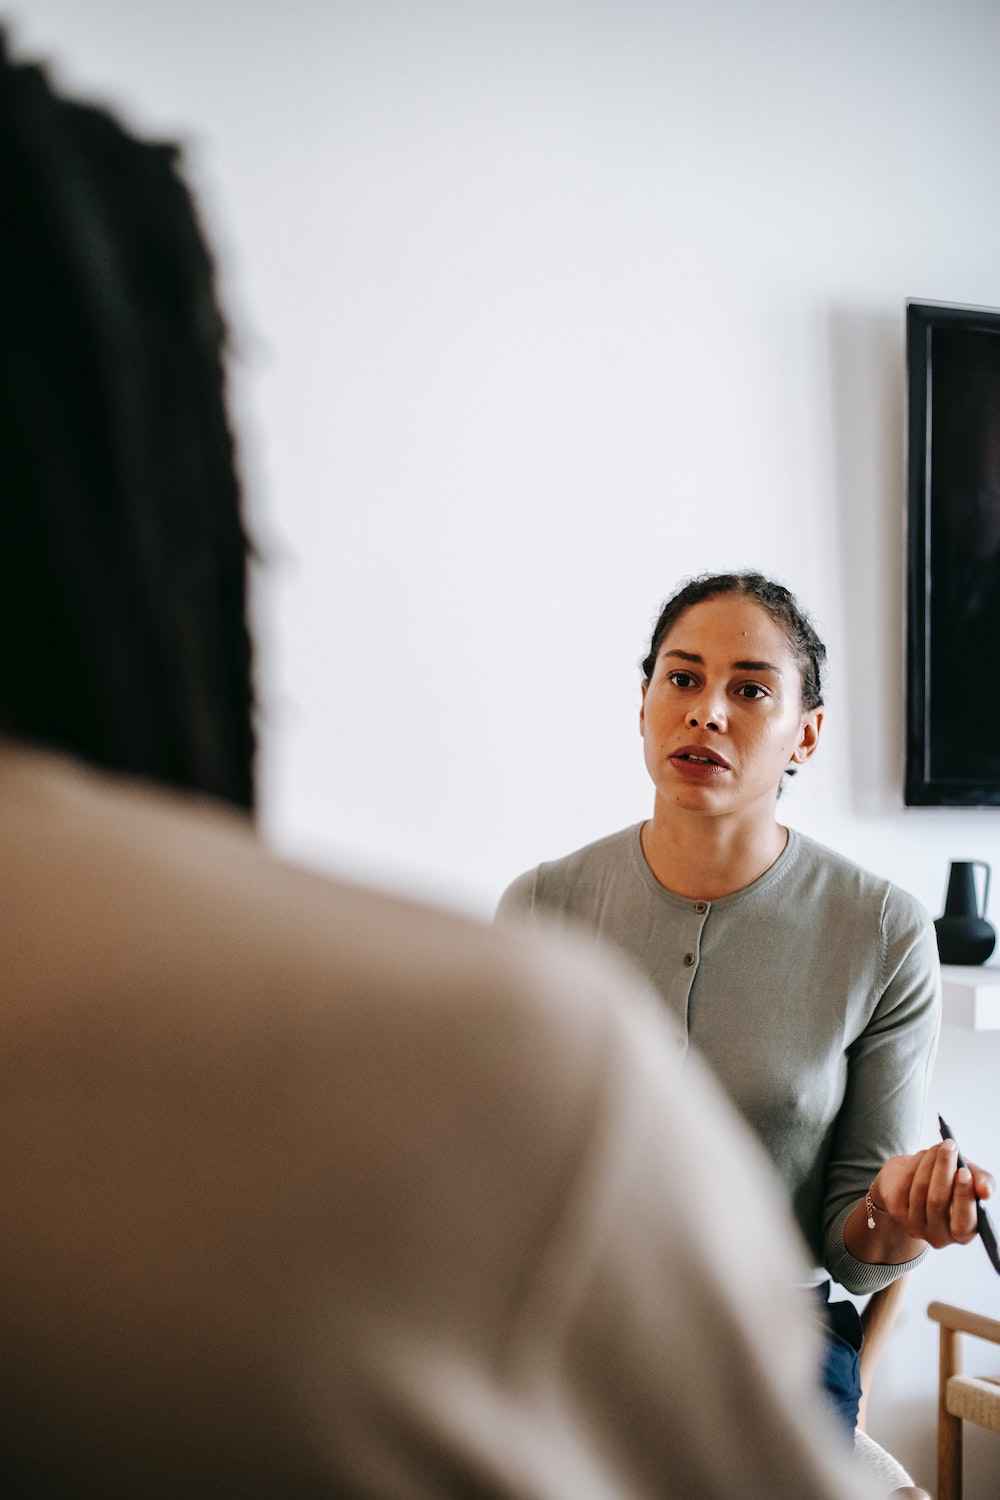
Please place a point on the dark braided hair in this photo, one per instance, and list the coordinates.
(780, 604)
(123, 555)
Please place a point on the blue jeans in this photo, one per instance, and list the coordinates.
(841, 1377)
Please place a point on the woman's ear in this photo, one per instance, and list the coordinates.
(808, 736)
(642, 710)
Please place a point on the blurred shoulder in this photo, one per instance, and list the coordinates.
(132, 891)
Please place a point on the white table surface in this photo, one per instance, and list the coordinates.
(970, 995)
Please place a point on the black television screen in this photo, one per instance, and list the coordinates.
(953, 556)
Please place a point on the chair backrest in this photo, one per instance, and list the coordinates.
(877, 1319)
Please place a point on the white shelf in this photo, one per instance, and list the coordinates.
(970, 996)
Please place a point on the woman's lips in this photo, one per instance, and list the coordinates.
(698, 762)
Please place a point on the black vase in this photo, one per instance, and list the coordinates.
(963, 934)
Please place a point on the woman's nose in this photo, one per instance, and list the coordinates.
(707, 714)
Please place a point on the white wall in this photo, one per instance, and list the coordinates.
(542, 305)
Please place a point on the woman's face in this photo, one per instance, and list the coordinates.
(722, 715)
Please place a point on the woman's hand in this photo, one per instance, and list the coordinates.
(930, 1197)
(920, 1200)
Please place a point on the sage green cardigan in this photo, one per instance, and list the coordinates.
(814, 995)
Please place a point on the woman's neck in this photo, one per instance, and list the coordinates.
(704, 859)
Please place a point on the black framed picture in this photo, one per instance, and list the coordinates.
(953, 556)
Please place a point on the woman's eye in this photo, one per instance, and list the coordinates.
(681, 679)
(751, 690)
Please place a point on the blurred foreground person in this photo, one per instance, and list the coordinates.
(307, 1191)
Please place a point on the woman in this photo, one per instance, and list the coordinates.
(810, 985)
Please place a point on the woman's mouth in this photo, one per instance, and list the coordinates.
(697, 760)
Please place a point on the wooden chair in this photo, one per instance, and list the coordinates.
(961, 1398)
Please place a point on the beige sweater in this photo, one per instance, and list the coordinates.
(312, 1192)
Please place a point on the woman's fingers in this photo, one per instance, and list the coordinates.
(942, 1210)
(928, 1200)
(930, 1193)
(985, 1182)
(931, 1197)
(962, 1220)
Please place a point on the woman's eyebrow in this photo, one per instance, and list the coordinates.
(738, 666)
(757, 666)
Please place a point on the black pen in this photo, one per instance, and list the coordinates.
(987, 1232)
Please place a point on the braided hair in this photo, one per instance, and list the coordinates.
(123, 555)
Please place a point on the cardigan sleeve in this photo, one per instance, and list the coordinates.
(888, 1073)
